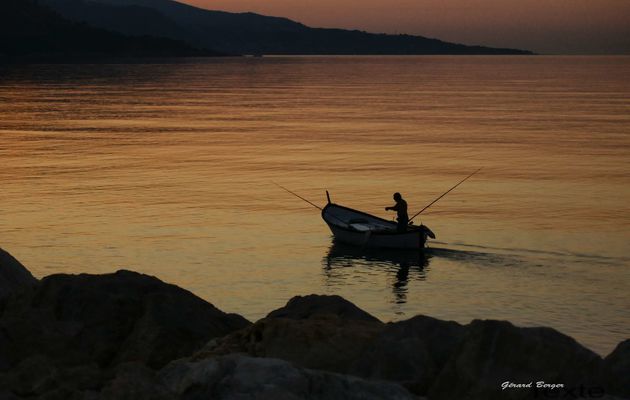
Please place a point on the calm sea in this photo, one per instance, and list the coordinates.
(167, 169)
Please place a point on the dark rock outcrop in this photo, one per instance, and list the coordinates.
(116, 336)
(13, 276)
(318, 332)
(410, 352)
(134, 381)
(109, 319)
(313, 306)
(241, 377)
(493, 352)
(617, 369)
(332, 334)
(328, 343)
(41, 376)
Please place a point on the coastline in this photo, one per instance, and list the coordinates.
(129, 335)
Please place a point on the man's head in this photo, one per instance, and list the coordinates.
(397, 196)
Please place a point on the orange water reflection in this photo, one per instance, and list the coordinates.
(167, 169)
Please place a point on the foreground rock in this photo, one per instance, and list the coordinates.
(329, 333)
(330, 344)
(13, 276)
(441, 359)
(109, 319)
(131, 336)
(617, 369)
(240, 377)
(411, 352)
(316, 306)
(41, 376)
(493, 352)
(310, 331)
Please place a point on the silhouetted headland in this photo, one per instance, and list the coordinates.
(129, 335)
(32, 32)
(248, 33)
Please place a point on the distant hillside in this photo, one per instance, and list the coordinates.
(247, 33)
(29, 30)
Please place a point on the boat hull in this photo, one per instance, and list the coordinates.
(408, 240)
(361, 229)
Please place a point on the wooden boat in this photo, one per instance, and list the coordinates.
(357, 228)
(362, 229)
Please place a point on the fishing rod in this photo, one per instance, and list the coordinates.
(314, 205)
(447, 192)
(298, 196)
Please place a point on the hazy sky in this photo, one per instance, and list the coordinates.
(546, 26)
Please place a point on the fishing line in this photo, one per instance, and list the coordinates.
(447, 192)
(298, 196)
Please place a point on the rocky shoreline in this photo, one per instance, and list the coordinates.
(131, 336)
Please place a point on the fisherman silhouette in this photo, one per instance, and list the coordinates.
(401, 210)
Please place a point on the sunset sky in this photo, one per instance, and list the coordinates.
(546, 26)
